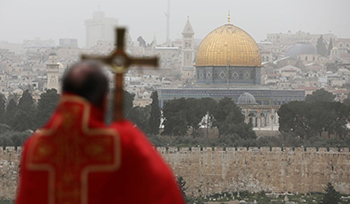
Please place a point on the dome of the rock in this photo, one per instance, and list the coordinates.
(228, 45)
(228, 55)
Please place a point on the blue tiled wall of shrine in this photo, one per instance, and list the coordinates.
(262, 96)
(232, 75)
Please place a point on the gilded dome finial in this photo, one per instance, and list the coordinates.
(229, 17)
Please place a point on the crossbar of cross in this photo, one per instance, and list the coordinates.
(119, 62)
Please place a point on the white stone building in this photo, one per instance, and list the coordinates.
(99, 28)
(188, 52)
(53, 73)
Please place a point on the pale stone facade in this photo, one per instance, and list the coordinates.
(187, 53)
(53, 73)
(298, 171)
(9, 162)
(99, 28)
(209, 171)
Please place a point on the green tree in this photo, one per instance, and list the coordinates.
(321, 46)
(319, 118)
(312, 119)
(228, 118)
(2, 108)
(174, 112)
(10, 112)
(292, 118)
(4, 128)
(194, 114)
(224, 109)
(347, 101)
(128, 103)
(330, 46)
(18, 138)
(208, 104)
(24, 117)
(46, 105)
(320, 95)
(6, 140)
(14, 96)
(336, 120)
(140, 116)
(154, 120)
(331, 196)
(13, 138)
(26, 101)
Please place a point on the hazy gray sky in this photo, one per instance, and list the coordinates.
(27, 19)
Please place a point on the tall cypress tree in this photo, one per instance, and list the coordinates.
(227, 114)
(46, 105)
(174, 112)
(321, 47)
(26, 101)
(330, 46)
(128, 103)
(2, 108)
(24, 118)
(140, 116)
(10, 112)
(154, 120)
(194, 114)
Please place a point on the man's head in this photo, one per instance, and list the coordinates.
(87, 80)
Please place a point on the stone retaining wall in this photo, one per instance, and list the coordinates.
(215, 170)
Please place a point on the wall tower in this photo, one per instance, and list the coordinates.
(52, 69)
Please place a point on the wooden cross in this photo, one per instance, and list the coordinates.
(119, 62)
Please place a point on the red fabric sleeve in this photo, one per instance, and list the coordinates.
(153, 180)
(32, 187)
(20, 190)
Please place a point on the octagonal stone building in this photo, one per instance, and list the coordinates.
(228, 55)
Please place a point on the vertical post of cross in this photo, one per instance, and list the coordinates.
(119, 78)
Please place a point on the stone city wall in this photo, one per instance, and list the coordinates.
(215, 170)
(9, 163)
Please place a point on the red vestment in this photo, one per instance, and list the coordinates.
(76, 159)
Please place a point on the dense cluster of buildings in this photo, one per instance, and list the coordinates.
(226, 63)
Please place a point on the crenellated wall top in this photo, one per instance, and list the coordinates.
(163, 150)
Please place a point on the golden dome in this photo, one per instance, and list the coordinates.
(228, 45)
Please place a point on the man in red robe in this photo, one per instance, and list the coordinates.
(77, 159)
